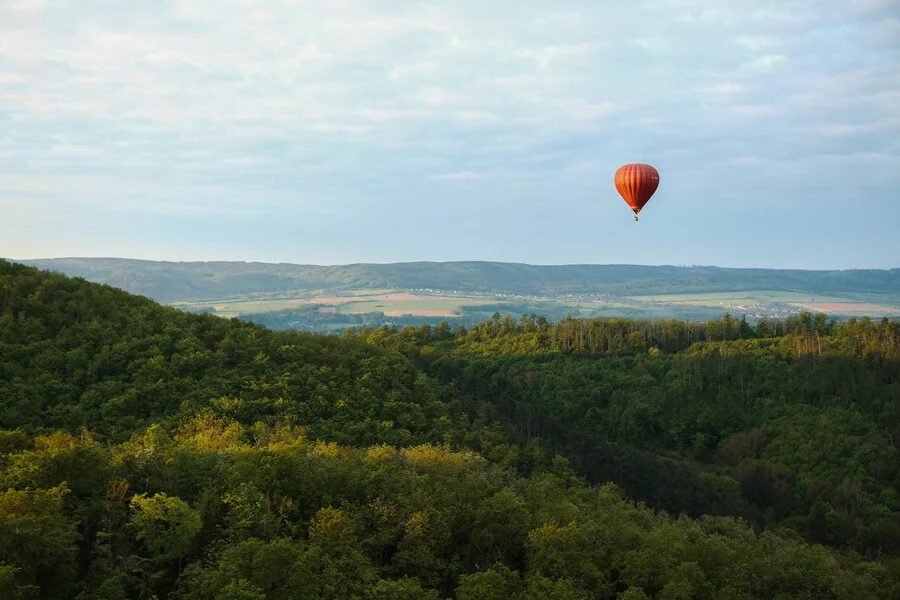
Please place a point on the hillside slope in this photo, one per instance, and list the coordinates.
(169, 282)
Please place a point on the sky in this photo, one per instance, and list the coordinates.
(342, 131)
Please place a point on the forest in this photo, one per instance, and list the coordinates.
(150, 453)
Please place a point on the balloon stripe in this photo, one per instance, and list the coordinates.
(636, 183)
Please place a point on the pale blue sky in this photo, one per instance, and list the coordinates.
(337, 131)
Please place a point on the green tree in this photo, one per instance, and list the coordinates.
(37, 542)
(406, 588)
(497, 583)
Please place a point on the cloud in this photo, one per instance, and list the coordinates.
(290, 105)
(463, 176)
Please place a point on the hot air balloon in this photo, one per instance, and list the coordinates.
(637, 183)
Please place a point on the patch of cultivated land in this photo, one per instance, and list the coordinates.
(392, 304)
(849, 308)
(395, 303)
(752, 298)
(410, 304)
(875, 305)
(392, 297)
(421, 313)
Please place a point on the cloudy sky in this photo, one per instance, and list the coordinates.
(336, 131)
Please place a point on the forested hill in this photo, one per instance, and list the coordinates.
(148, 452)
(172, 281)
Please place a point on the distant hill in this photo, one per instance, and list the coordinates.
(180, 281)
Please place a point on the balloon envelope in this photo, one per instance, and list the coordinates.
(637, 183)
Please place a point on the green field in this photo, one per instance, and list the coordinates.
(326, 313)
(367, 292)
(351, 302)
(232, 308)
(414, 307)
(856, 305)
(754, 298)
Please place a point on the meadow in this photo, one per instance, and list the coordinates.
(389, 302)
(874, 305)
(331, 312)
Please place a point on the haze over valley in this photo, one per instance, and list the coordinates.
(320, 298)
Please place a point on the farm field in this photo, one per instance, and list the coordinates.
(395, 303)
(414, 305)
(855, 305)
(854, 309)
(754, 298)
(390, 302)
(317, 310)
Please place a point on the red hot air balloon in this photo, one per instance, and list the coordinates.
(637, 183)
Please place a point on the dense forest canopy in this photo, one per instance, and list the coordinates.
(149, 452)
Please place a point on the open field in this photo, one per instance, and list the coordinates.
(873, 305)
(391, 303)
(420, 306)
(850, 308)
(396, 303)
(235, 308)
(752, 298)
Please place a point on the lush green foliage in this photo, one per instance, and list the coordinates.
(146, 452)
(76, 355)
(214, 512)
(789, 423)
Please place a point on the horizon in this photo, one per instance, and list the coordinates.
(441, 262)
(351, 131)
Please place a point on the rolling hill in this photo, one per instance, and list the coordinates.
(181, 281)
